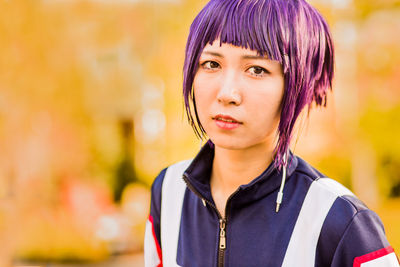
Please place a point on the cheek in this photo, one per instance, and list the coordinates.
(203, 94)
(265, 105)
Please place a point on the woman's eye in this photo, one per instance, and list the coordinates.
(210, 65)
(257, 71)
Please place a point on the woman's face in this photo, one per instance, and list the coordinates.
(238, 96)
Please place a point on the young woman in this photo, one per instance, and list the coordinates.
(245, 200)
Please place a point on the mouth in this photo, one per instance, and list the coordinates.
(226, 122)
(226, 118)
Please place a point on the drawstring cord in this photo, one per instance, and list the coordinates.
(280, 193)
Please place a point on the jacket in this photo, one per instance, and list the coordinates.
(320, 222)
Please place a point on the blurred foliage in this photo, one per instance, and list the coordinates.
(366, 8)
(337, 165)
(49, 241)
(74, 72)
(390, 215)
(381, 127)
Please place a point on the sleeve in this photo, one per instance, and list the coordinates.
(152, 248)
(364, 244)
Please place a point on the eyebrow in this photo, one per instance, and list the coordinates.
(213, 53)
(254, 57)
(243, 57)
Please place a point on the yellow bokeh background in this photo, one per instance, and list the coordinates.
(91, 110)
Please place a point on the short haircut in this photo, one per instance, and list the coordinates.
(289, 31)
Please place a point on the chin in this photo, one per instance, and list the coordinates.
(231, 143)
(235, 142)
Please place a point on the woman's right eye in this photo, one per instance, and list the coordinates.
(210, 65)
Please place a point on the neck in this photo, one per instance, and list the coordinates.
(232, 168)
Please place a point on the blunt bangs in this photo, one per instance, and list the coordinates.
(289, 31)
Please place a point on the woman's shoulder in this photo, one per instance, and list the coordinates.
(173, 170)
(348, 227)
(343, 203)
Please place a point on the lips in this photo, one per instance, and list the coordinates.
(226, 118)
(226, 122)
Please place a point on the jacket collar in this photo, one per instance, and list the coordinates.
(199, 172)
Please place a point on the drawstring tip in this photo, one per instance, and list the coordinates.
(278, 201)
(280, 193)
(277, 207)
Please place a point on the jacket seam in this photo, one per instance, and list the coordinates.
(346, 230)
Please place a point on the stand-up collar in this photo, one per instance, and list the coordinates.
(199, 172)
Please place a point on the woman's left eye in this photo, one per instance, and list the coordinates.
(257, 71)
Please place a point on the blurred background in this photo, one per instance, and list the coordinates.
(91, 111)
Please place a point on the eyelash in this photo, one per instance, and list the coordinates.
(208, 62)
(259, 68)
(206, 65)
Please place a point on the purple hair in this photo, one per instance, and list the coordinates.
(289, 31)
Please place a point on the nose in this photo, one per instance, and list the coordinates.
(229, 93)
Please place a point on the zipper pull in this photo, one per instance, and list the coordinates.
(222, 238)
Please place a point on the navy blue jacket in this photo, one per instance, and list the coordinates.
(320, 223)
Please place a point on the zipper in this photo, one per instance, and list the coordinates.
(222, 233)
(222, 242)
(222, 221)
